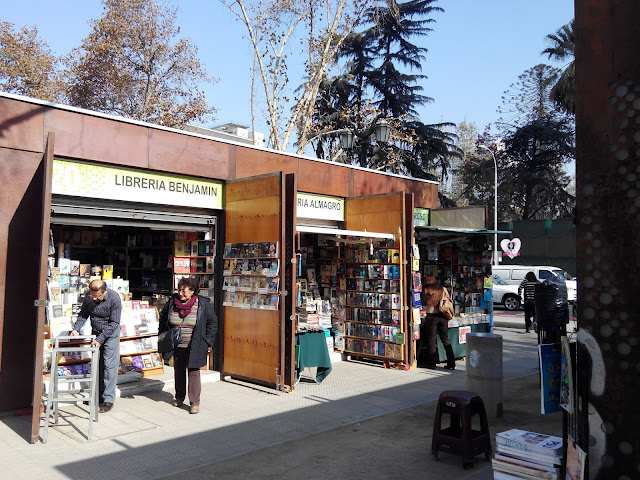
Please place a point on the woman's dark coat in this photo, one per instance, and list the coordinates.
(204, 331)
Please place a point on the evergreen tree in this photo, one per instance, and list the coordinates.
(394, 25)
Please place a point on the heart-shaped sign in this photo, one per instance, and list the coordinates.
(511, 247)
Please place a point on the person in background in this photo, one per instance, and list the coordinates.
(103, 306)
(436, 323)
(528, 285)
(198, 322)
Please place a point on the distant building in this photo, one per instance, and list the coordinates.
(232, 131)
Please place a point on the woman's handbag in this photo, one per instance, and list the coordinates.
(446, 306)
(169, 339)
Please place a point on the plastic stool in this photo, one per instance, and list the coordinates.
(459, 437)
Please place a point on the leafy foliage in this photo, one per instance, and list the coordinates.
(27, 65)
(373, 87)
(275, 28)
(132, 65)
(562, 48)
(529, 98)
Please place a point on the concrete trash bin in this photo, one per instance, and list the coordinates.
(484, 370)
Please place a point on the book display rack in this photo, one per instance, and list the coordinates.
(373, 307)
(251, 275)
(320, 288)
(139, 340)
(463, 267)
(194, 257)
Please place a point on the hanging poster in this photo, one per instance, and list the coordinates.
(566, 377)
(576, 459)
(550, 367)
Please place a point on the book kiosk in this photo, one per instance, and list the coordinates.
(350, 283)
(454, 247)
(110, 197)
(101, 230)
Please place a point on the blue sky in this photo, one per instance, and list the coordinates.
(477, 49)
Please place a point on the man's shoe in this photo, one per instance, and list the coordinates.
(177, 403)
(194, 409)
(106, 407)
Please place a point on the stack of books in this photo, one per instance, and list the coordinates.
(529, 455)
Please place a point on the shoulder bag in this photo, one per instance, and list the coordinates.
(446, 306)
(169, 339)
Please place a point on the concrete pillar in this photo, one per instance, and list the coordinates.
(484, 370)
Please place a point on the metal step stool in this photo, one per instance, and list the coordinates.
(76, 383)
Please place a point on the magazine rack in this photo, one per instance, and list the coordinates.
(83, 384)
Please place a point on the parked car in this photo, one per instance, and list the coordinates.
(505, 294)
(514, 274)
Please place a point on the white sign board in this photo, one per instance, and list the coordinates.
(310, 205)
(113, 183)
(420, 217)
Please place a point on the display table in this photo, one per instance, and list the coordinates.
(459, 349)
(313, 352)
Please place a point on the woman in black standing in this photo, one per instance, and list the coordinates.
(435, 323)
(198, 323)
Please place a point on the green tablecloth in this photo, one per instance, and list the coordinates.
(459, 349)
(313, 353)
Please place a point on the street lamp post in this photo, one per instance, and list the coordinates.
(380, 127)
(495, 204)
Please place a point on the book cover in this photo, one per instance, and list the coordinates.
(178, 249)
(137, 362)
(127, 363)
(74, 268)
(107, 272)
(576, 460)
(55, 274)
(156, 359)
(146, 361)
(550, 367)
(566, 377)
(64, 264)
(530, 442)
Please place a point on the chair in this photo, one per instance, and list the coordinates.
(459, 437)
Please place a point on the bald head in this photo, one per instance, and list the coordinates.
(97, 287)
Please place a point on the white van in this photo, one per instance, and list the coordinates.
(514, 274)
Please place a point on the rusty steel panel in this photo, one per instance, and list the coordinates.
(368, 183)
(252, 338)
(90, 138)
(607, 75)
(20, 237)
(425, 194)
(21, 125)
(187, 155)
(325, 179)
(250, 162)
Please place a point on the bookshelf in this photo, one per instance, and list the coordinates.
(139, 340)
(251, 275)
(373, 278)
(194, 258)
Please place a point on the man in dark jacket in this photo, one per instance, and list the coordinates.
(103, 307)
(529, 287)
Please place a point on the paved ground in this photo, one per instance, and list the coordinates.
(363, 421)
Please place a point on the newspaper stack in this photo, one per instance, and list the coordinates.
(529, 455)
